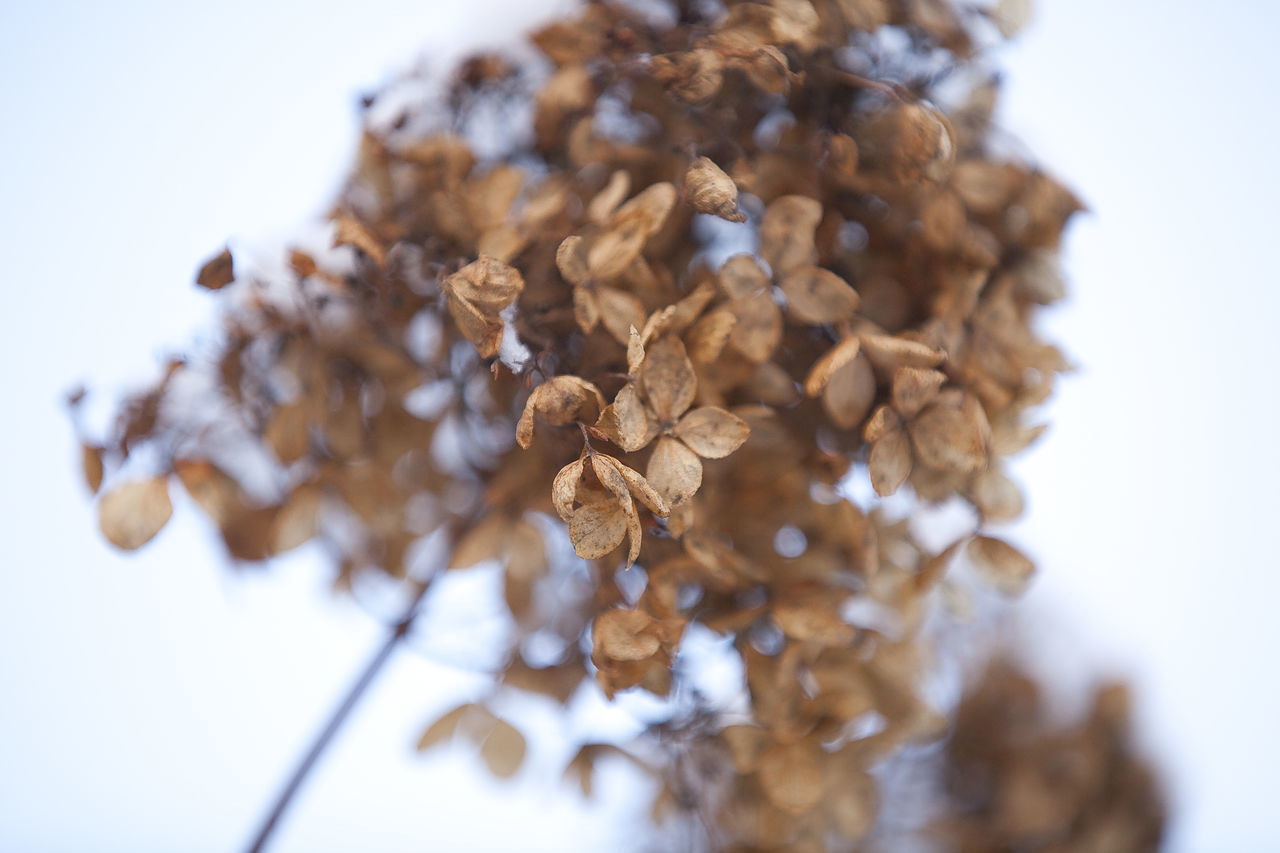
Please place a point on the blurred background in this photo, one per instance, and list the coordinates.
(157, 701)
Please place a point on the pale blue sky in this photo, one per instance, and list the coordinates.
(154, 702)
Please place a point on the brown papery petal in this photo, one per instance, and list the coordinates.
(850, 392)
(571, 259)
(711, 432)
(619, 311)
(487, 283)
(759, 327)
(786, 232)
(217, 272)
(831, 361)
(643, 491)
(948, 439)
(131, 514)
(648, 209)
(674, 471)
(564, 488)
(889, 352)
(624, 635)
(626, 421)
(890, 461)
(602, 206)
(711, 191)
(483, 330)
(1000, 564)
(91, 462)
(791, 775)
(668, 379)
(503, 750)
(741, 277)
(597, 528)
(349, 231)
(913, 388)
(816, 295)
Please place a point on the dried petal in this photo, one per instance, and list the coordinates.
(564, 488)
(831, 361)
(816, 295)
(91, 462)
(624, 635)
(674, 471)
(217, 272)
(1000, 564)
(597, 528)
(741, 277)
(949, 439)
(131, 514)
(349, 231)
(558, 401)
(668, 379)
(914, 388)
(711, 432)
(850, 393)
(503, 750)
(487, 283)
(786, 232)
(890, 461)
(791, 775)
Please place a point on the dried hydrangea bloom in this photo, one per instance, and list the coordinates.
(753, 250)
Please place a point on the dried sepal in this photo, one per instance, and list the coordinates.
(913, 388)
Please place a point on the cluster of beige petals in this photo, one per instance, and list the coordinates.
(743, 258)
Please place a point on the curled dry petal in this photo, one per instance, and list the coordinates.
(711, 191)
(131, 514)
(890, 352)
(564, 488)
(711, 432)
(571, 260)
(831, 361)
(626, 420)
(816, 295)
(674, 471)
(487, 283)
(558, 401)
(597, 528)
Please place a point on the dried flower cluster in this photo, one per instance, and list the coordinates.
(725, 258)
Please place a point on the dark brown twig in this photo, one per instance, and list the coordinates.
(337, 718)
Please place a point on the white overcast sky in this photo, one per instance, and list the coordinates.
(154, 702)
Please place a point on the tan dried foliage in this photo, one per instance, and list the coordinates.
(660, 400)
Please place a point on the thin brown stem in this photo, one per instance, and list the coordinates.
(337, 718)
